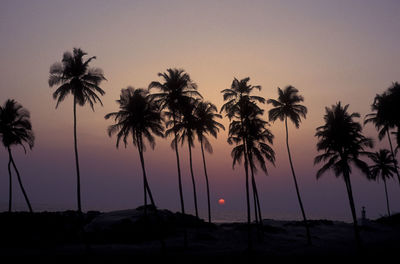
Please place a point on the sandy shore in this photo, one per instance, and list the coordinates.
(120, 235)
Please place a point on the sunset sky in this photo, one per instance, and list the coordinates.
(332, 51)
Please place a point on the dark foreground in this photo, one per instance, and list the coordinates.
(128, 236)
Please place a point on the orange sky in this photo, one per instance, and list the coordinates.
(329, 50)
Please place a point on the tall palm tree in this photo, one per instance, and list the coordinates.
(176, 88)
(342, 142)
(383, 168)
(15, 129)
(259, 150)
(288, 106)
(379, 117)
(238, 108)
(257, 137)
(75, 77)
(138, 117)
(185, 127)
(206, 113)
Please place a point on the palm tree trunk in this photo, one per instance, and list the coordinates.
(255, 204)
(246, 165)
(353, 209)
(180, 181)
(148, 191)
(257, 207)
(140, 149)
(257, 199)
(394, 159)
(193, 181)
(207, 184)
(145, 181)
(10, 187)
(145, 199)
(387, 197)
(297, 187)
(77, 161)
(20, 181)
(246, 168)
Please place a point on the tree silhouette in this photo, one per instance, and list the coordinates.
(257, 137)
(15, 129)
(342, 142)
(382, 168)
(392, 111)
(176, 88)
(239, 107)
(288, 106)
(138, 117)
(75, 77)
(185, 127)
(380, 117)
(206, 113)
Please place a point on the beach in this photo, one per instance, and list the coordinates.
(123, 235)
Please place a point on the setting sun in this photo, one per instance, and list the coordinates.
(221, 201)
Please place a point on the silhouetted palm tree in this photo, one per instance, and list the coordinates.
(15, 129)
(382, 168)
(393, 112)
(288, 106)
(382, 123)
(176, 88)
(240, 106)
(185, 127)
(138, 117)
(257, 137)
(342, 142)
(206, 113)
(75, 77)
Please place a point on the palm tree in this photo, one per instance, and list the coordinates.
(380, 119)
(393, 113)
(383, 168)
(185, 127)
(288, 106)
(176, 88)
(257, 138)
(138, 117)
(74, 76)
(342, 141)
(206, 113)
(238, 108)
(15, 129)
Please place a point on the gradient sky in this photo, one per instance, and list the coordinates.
(330, 50)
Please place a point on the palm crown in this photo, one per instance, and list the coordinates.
(175, 90)
(15, 125)
(74, 76)
(288, 105)
(378, 117)
(186, 124)
(239, 99)
(342, 141)
(383, 164)
(206, 113)
(257, 138)
(138, 115)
